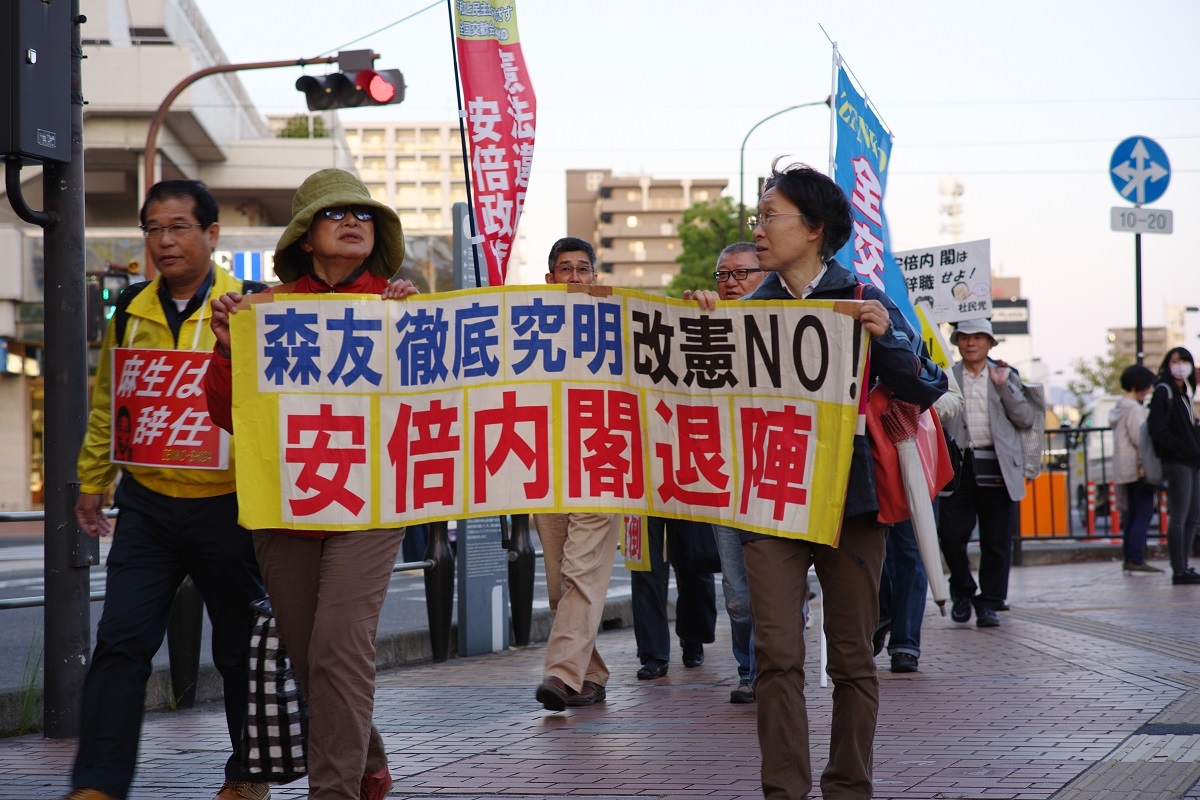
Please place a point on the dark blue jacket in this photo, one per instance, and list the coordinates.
(898, 360)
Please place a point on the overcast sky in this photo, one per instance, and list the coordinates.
(1022, 102)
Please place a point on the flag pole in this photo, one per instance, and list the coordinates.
(462, 128)
(833, 101)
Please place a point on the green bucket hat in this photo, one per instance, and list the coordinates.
(330, 188)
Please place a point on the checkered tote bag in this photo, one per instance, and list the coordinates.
(276, 728)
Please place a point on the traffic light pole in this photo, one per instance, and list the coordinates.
(69, 551)
(160, 116)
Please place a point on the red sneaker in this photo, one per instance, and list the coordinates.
(375, 785)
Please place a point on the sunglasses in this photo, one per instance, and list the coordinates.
(361, 213)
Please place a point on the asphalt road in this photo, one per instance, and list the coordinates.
(21, 575)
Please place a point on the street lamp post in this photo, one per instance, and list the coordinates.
(742, 160)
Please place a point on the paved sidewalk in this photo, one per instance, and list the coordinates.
(1090, 689)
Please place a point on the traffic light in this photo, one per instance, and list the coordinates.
(112, 283)
(103, 289)
(35, 80)
(358, 84)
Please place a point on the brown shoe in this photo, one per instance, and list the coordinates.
(553, 693)
(88, 794)
(590, 694)
(243, 790)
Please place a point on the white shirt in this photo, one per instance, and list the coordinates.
(812, 285)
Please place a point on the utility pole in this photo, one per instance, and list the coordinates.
(42, 61)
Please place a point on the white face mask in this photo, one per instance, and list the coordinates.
(1181, 371)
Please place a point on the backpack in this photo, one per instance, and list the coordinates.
(1152, 468)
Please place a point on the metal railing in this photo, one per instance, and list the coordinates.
(184, 628)
(1081, 505)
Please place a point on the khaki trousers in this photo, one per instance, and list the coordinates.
(579, 551)
(326, 594)
(777, 570)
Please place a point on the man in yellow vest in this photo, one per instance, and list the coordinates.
(178, 510)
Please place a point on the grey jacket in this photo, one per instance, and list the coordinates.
(1126, 421)
(1008, 410)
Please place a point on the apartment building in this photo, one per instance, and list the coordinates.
(634, 222)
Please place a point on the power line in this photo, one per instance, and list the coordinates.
(381, 30)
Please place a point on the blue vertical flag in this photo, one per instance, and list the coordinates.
(861, 157)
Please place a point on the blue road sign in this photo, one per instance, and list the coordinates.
(1140, 170)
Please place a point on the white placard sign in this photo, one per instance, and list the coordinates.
(951, 282)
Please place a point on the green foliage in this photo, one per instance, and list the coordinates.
(298, 127)
(29, 696)
(1100, 375)
(707, 228)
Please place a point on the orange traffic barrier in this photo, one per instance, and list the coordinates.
(1046, 505)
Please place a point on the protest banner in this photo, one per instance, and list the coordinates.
(952, 282)
(501, 118)
(160, 417)
(366, 413)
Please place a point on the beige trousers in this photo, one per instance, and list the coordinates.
(579, 551)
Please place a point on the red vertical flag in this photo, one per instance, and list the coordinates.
(501, 113)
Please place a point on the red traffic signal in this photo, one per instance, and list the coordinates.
(366, 87)
(382, 88)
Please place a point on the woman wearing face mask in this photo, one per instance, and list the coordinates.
(1172, 426)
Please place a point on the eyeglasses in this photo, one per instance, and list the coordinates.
(361, 213)
(176, 229)
(765, 218)
(722, 275)
(567, 271)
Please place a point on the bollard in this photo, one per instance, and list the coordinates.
(1091, 508)
(439, 589)
(183, 643)
(520, 579)
(1114, 514)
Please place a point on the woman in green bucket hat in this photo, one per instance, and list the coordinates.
(327, 587)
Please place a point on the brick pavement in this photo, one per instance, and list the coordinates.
(1089, 691)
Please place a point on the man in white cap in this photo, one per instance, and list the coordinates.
(991, 482)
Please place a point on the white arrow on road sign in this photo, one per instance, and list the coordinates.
(1137, 173)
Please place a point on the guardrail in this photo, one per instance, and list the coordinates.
(184, 628)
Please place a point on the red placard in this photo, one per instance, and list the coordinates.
(159, 414)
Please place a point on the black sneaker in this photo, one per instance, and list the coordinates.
(904, 662)
(987, 618)
(960, 611)
(1188, 576)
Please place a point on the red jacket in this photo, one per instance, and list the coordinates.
(218, 382)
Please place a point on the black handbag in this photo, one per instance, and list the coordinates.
(275, 733)
(987, 468)
(956, 461)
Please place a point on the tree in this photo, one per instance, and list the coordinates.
(297, 127)
(1101, 375)
(707, 228)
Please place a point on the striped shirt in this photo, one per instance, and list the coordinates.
(975, 397)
